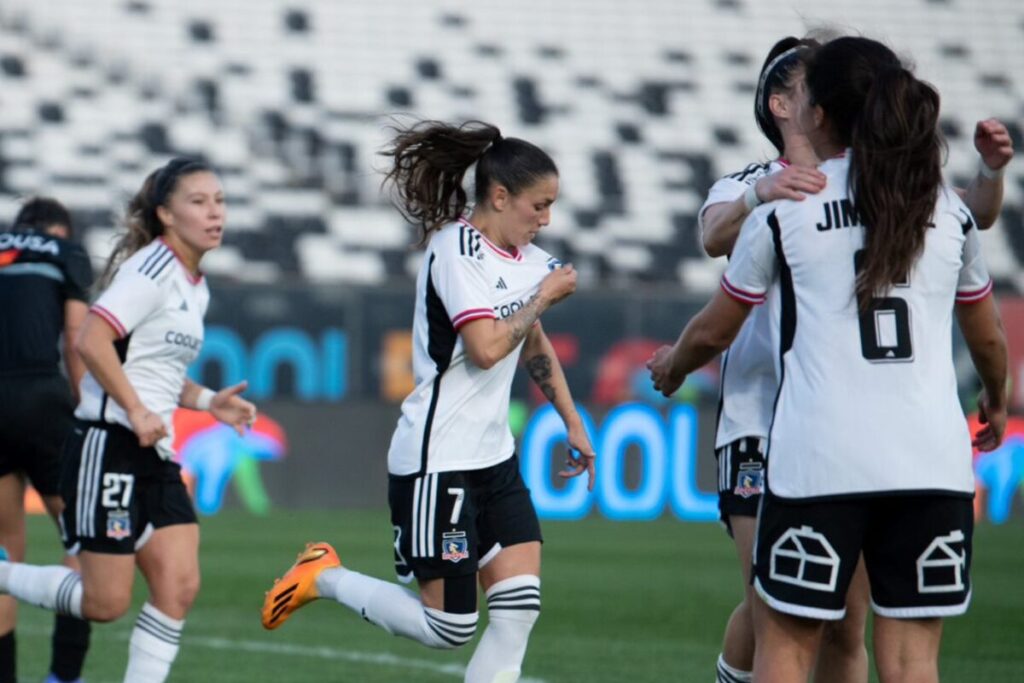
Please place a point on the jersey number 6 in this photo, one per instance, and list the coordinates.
(885, 325)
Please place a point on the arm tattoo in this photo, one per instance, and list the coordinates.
(539, 368)
(519, 324)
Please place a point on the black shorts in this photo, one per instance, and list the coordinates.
(741, 470)
(116, 493)
(453, 523)
(917, 552)
(35, 418)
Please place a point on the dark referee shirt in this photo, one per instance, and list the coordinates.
(38, 274)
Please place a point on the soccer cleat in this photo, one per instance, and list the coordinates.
(298, 585)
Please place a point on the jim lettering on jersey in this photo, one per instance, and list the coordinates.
(839, 213)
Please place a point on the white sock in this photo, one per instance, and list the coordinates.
(513, 606)
(153, 646)
(54, 587)
(395, 609)
(727, 674)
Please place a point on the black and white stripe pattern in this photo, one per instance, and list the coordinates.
(65, 600)
(157, 261)
(454, 629)
(424, 507)
(517, 598)
(149, 621)
(724, 467)
(90, 471)
(469, 241)
(726, 674)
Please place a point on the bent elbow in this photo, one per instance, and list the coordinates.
(482, 359)
(713, 247)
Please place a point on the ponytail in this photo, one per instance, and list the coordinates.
(895, 175)
(431, 159)
(141, 220)
(889, 119)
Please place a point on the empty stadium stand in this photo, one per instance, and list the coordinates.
(643, 104)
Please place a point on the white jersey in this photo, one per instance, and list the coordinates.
(157, 309)
(866, 404)
(457, 417)
(748, 381)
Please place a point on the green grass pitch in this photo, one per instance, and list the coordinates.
(621, 602)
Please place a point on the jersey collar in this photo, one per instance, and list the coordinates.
(514, 254)
(193, 279)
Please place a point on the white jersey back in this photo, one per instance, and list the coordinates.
(457, 417)
(157, 309)
(748, 380)
(866, 403)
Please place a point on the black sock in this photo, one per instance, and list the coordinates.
(70, 643)
(8, 659)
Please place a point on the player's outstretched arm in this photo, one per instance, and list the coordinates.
(706, 335)
(984, 196)
(545, 370)
(226, 405)
(488, 341)
(95, 344)
(983, 331)
(721, 223)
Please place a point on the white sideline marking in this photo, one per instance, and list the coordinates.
(317, 652)
(326, 652)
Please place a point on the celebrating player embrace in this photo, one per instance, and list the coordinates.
(868, 450)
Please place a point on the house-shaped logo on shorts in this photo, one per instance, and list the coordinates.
(804, 557)
(940, 568)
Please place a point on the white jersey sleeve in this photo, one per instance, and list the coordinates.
(753, 265)
(130, 299)
(974, 283)
(729, 188)
(460, 280)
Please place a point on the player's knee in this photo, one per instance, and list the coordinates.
(456, 625)
(189, 591)
(182, 593)
(447, 630)
(109, 608)
(844, 637)
(514, 602)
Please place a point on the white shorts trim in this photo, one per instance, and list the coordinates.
(144, 537)
(490, 555)
(798, 610)
(922, 612)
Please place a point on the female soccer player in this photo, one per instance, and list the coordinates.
(460, 510)
(868, 450)
(126, 503)
(44, 283)
(748, 369)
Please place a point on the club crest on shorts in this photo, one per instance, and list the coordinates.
(119, 525)
(454, 546)
(750, 480)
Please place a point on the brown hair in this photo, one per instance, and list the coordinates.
(432, 157)
(141, 218)
(890, 120)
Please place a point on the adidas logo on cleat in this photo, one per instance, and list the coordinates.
(501, 283)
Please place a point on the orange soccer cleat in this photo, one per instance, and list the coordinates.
(298, 585)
